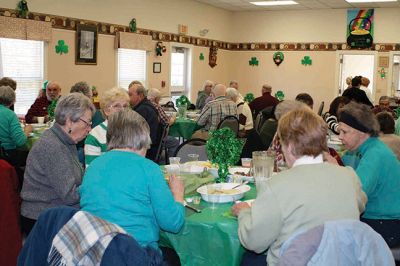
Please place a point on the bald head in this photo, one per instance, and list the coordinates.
(219, 90)
(266, 88)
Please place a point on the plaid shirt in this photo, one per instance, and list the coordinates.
(164, 119)
(38, 108)
(216, 110)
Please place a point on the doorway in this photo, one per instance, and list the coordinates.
(396, 76)
(357, 64)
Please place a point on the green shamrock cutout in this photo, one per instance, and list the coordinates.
(253, 61)
(201, 57)
(61, 48)
(306, 61)
(280, 95)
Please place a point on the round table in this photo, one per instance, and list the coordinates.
(210, 237)
(183, 127)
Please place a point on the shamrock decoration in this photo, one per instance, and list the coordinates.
(382, 73)
(279, 95)
(253, 61)
(223, 148)
(278, 58)
(44, 86)
(132, 25)
(23, 9)
(183, 100)
(306, 61)
(61, 47)
(249, 97)
(201, 57)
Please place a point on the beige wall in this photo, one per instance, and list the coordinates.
(325, 25)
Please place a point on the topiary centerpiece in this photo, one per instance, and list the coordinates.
(223, 149)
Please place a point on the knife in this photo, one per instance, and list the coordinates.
(191, 207)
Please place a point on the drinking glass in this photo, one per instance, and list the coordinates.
(182, 111)
(193, 157)
(212, 195)
(174, 160)
(263, 167)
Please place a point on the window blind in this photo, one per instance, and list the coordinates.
(23, 61)
(131, 66)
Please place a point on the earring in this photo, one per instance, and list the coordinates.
(69, 131)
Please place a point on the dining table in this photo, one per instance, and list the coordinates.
(209, 237)
(183, 128)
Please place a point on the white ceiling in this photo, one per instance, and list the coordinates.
(244, 5)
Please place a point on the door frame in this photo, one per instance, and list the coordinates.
(390, 90)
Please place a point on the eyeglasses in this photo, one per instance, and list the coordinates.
(88, 124)
(119, 106)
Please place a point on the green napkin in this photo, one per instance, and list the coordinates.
(194, 181)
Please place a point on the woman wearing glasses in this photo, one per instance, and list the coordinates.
(112, 101)
(53, 172)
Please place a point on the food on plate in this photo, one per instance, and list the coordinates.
(223, 191)
(242, 173)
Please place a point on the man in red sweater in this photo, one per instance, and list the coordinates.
(39, 107)
(262, 102)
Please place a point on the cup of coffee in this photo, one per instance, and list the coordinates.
(40, 119)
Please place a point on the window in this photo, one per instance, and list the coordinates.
(22, 61)
(131, 66)
(180, 72)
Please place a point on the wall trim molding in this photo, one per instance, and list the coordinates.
(67, 23)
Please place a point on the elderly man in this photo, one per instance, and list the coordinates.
(264, 101)
(204, 94)
(139, 102)
(171, 143)
(215, 111)
(39, 107)
(384, 106)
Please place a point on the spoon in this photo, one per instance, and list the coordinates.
(241, 184)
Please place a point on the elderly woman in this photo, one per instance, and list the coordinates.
(244, 112)
(377, 167)
(125, 188)
(308, 194)
(112, 101)
(53, 172)
(204, 94)
(11, 133)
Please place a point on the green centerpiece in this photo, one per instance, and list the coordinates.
(223, 149)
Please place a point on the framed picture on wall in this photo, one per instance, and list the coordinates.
(86, 45)
(156, 67)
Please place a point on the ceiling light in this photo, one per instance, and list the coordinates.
(369, 1)
(274, 3)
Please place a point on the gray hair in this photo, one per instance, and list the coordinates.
(153, 94)
(6, 81)
(112, 95)
(82, 87)
(135, 82)
(232, 93)
(363, 115)
(72, 106)
(219, 90)
(266, 88)
(286, 106)
(127, 129)
(7, 95)
(141, 90)
(384, 98)
(233, 82)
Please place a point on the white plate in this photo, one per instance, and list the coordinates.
(239, 177)
(37, 125)
(223, 198)
(192, 168)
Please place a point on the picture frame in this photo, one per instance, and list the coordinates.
(86, 45)
(156, 67)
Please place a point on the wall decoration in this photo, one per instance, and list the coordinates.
(278, 58)
(23, 9)
(132, 25)
(86, 45)
(182, 29)
(253, 61)
(156, 67)
(360, 28)
(382, 72)
(160, 48)
(61, 47)
(383, 61)
(201, 57)
(212, 58)
(249, 97)
(306, 61)
(280, 95)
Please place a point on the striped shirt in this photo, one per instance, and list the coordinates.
(332, 122)
(95, 143)
(216, 110)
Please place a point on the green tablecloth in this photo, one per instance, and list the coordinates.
(183, 128)
(208, 238)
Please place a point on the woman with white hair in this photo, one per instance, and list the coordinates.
(244, 112)
(112, 101)
(53, 172)
(204, 94)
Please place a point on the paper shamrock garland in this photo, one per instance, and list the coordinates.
(61, 47)
(253, 61)
(224, 149)
(280, 95)
(306, 61)
(249, 97)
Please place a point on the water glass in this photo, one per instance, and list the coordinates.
(196, 200)
(182, 111)
(263, 166)
(213, 194)
(193, 157)
(174, 160)
(246, 162)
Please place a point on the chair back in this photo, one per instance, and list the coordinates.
(231, 122)
(257, 122)
(342, 242)
(161, 142)
(169, 106)
(197, 146)
(321, 108)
